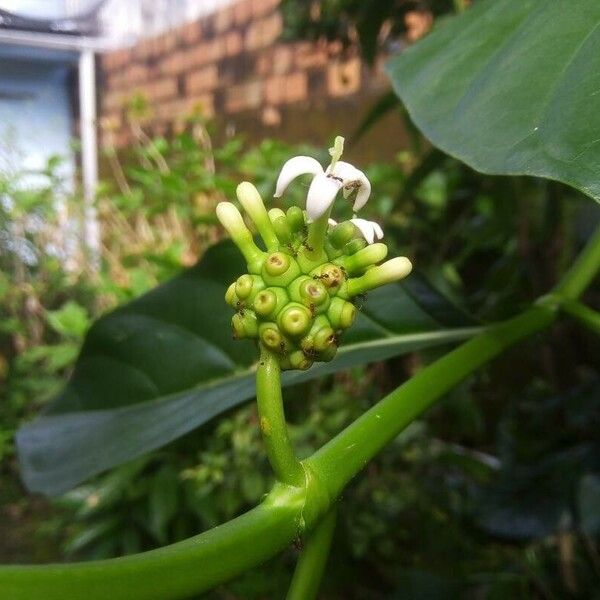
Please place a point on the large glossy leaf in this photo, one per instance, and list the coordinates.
(160, 366)
(511, 88)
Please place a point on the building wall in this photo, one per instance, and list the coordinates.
(232, 65)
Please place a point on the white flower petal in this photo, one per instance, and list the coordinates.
(378, 230)
(366, 228)
(321, 194)
(353, 179)
(294, 167)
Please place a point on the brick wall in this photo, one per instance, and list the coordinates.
(232, 65)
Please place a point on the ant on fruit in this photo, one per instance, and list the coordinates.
(323, 276)
(240, 307)
(292, 250)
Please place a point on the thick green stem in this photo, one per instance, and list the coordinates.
(589, 318)
(311, 564)
(282, 457)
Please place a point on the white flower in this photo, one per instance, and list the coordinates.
(325, 184)
(369, 229)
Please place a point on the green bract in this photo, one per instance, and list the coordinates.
(298, 296)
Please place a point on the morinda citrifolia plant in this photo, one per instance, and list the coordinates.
(478, 90)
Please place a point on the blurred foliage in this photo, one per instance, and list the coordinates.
(494, 494)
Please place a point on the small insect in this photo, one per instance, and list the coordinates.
(323, 276)
(292, 250)
(282, 349)
(312, 308)
(310, 352)
(307, 246)
(240, 308)
(344, 272)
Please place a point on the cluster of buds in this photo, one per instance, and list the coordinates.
(299, 293)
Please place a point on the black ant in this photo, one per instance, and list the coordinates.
(310, 353)
(307, 246)
(282, 348)
(344, 272)
(292, 250)
(240, 307)
(323, 276)
(312, 308)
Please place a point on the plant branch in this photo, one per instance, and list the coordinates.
(282, 457)
(587, 317)
(311, 564)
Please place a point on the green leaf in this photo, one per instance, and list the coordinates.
(70, 320)
(511, 88)
(163, 501)
(164, 364)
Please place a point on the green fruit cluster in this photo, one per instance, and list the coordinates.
(293, 304)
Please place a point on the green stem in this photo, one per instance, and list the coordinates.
(280, 452)
(317, 231)
(345, 455)
(311, 564)
(583, 270)
(580, 312)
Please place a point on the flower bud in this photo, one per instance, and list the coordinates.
(282, 230)
(230, 296)
(295, 319)
(252, 202)
(280, 269)
(275, 213)
(341, 234)
(324, 339)
(341, 313)
(353, 246)
(244, 324)
(269, 302)
(392, 270)
(231, 218)
(295, 218)
(364, 258)
(298, 360)
(271, 337)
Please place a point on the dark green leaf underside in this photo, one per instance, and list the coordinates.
(511, 88)
(164, 364)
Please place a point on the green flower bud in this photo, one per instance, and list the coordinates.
(392, 270)
(313, 292)
(243, 286)
(295, 319)
(363, 259)
(244, 324)
(298, 360)
(295, 218)
(341, 234)
(275, 213)
(230, 296)
(324, 339)
(330, 275)
(341, 313)
(280, 269)
(282, 230)
(270, 301)
(353, 246)
(271, 337)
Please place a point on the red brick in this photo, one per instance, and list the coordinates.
(161, 89)
(242, 11)
(202, 80)
(233, 43)
(344, 78)
(244, 96)
(172, 64)
(264, 32)
(283, 58)
(190, 33)
(295, 87)
(309, 55)
(263, 7)
(224, 19)
(274, 90)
